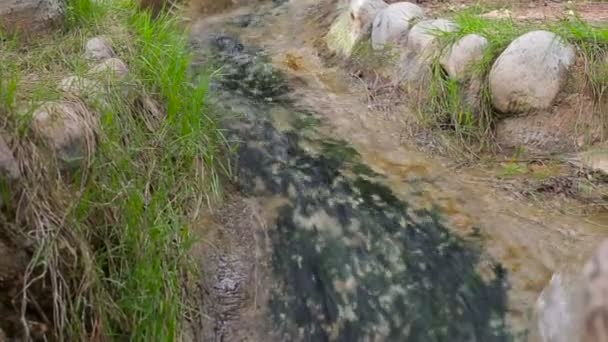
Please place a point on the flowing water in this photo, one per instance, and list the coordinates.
(343, 232)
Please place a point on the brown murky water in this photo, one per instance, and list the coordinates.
(531, 243)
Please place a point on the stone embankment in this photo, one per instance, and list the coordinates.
(537, 87)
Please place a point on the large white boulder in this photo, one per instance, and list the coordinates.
(459, 57)
(27, 16)
(392, 23)
(530, 73)
(351, 25)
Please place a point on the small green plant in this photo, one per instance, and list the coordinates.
(448, 103)
(585, 187)
(9, 82)
(512, 169)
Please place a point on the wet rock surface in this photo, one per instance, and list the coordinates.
(353, 261)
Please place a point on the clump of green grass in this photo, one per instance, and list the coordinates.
(339, 38)
(84, 13)
(512, 169)
(9, 81)
(447, 107)
(160, 180)
(112, 239)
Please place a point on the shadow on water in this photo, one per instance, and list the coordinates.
(354, 262)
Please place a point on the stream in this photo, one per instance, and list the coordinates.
(341, 231)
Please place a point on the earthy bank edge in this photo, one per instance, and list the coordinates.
(104, 173)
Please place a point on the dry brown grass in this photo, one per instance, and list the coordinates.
(38, 215)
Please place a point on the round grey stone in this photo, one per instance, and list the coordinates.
(530, 73)
(460, 56)
(98, 49)
(68, 128)
(392, 23)
(362, 14)
(422, 37)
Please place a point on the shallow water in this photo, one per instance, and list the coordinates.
(368, 239)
